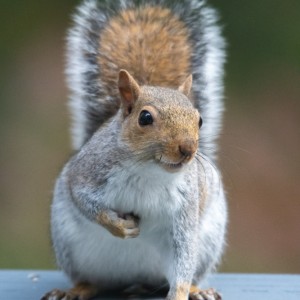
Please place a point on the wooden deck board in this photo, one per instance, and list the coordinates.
(31, 285)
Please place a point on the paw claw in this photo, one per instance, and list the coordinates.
(81, 291)
(196, 297)
(131, 233)
(54, 295)
(209, 294)
(128, 227)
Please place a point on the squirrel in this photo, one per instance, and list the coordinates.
(141, 200)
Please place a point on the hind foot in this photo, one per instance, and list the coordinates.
(81, 291)
(198, 294)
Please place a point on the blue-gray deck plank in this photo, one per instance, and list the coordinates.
(31, 285)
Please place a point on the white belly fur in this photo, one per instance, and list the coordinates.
(100, 257)
(108, 260)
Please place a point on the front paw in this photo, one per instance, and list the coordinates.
(124, 227)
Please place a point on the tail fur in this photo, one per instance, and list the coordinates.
(90, 102)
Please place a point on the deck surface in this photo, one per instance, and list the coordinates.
(31, 285)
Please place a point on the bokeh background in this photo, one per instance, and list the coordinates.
(260, 142)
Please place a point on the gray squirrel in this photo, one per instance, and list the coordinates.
(141, 201)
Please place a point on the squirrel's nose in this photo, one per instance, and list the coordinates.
(187, 149)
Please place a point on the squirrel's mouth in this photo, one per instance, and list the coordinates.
(170, 166)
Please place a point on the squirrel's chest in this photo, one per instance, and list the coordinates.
(145, 191)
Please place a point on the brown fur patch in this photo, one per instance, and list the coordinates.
(182, 291)
(194, 289)
(151, 43)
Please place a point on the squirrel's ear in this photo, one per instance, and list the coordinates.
(129, 90)
(185, 88)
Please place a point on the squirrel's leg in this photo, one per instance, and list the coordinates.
(81, 291)
(183, 264)
(90, 203)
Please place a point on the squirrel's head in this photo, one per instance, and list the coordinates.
(159, 124)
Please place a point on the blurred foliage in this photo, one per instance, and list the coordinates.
(259, 146)
(263, 36)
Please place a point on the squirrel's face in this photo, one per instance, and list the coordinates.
(167, 134)
(161, 125)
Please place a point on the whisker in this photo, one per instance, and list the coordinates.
(213, 167)
(205, 175)
(159, 288)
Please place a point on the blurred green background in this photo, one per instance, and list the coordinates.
(260, 142)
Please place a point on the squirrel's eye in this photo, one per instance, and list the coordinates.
(200, 122)
(145, 118)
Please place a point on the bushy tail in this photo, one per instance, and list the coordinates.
(91, 106)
